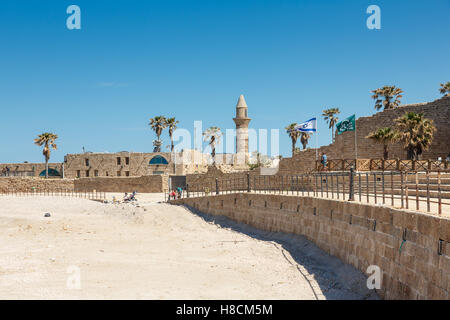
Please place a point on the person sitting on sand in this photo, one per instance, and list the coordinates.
(125, 198)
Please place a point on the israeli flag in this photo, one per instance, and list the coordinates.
(307, 126)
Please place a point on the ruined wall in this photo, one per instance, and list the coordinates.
(344, 146)
(29, 169)
(25, 184)
(358, 234)
(145, 184)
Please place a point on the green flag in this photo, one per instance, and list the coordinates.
(347, 124)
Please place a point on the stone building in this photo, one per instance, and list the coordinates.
(133, 164)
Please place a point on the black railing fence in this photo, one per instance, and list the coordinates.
(90, 195)
(423, 191)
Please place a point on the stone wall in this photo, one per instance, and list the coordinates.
(19, 184)
(344, 146)
(145, 184)
(358, 234)
(30, 169)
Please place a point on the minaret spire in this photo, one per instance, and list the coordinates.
(242, 120)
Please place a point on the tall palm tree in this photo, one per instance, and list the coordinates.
(47, 140)
(329, 115)
(158, 124)
(304, 139)
(384, 136)
(172, 125)
(293, 134)
(415, 132)
(387, 97)
(212, 135)
(445, 89)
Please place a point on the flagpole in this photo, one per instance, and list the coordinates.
(356, 145)
(317, 143)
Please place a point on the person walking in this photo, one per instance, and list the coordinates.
(323, 161)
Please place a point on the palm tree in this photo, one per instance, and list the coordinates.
(445, 89)
(384, 136)
(172, 125)
(415, 132)
(329, 115)
(158, 124)
(387, 97)
(212, 134)
(47, 140)
(293, 134)
(304, 139)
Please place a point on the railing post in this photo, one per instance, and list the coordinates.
(401, 188)
(248, 182)
(351, 192)
(439, 193)
(428, 191)
(217, 186)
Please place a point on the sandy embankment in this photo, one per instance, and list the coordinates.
(155, 251)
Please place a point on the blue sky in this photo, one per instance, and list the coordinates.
(98, 86)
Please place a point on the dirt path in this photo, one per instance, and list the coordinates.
(155, 251)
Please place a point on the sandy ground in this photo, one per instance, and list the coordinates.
(91, 250)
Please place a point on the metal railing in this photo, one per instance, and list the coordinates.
(422, 191)
(90, 195)
(383, 165)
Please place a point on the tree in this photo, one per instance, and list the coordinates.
(212, 135)
(415, 132)
(384, 136)
(172, 125)
(293, 134)
(47, 140)
(387, 97)
(445, 89)
(304, 138)
(158, 124)
(329, 115)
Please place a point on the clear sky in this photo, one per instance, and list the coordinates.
(132, 60)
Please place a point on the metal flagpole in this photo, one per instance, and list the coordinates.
(317, 143)
(356, 145)
(317, 146)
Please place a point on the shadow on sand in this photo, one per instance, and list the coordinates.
(336, 280)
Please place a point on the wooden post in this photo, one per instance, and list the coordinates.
(382, 186)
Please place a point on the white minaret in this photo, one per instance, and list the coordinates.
(242, 120)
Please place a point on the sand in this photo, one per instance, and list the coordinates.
(92, 250)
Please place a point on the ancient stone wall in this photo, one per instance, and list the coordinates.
(344, 146)
(145, 184)
(19, 184)
(412, 249)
